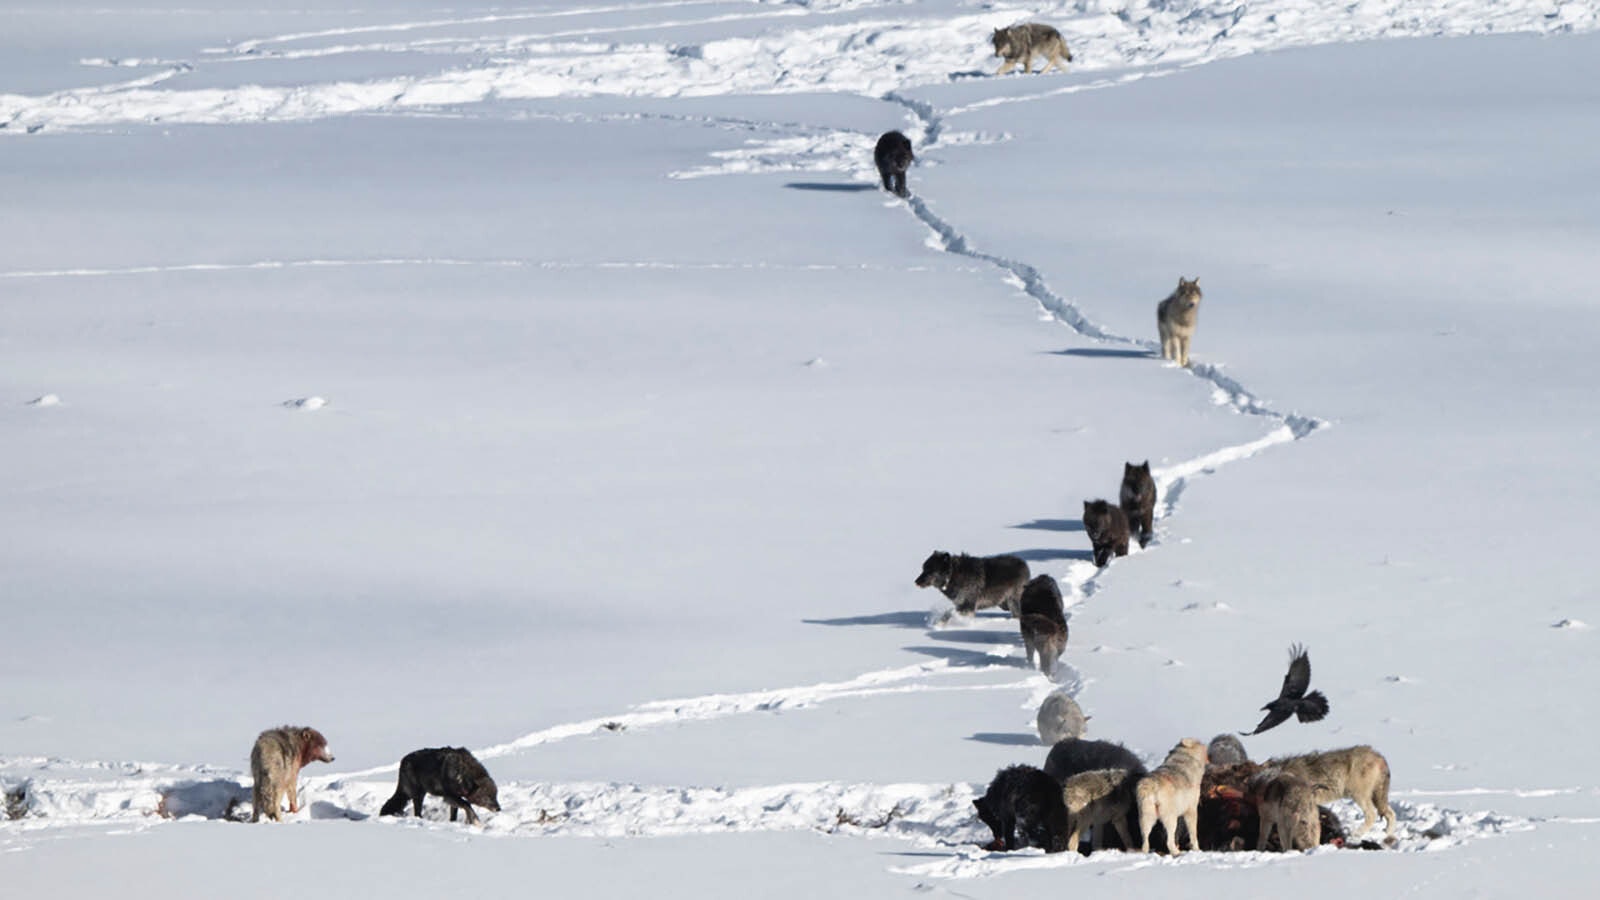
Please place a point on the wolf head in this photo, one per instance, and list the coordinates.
(1002, 41)
(1096, 515)
(1188, 293)
(986, 814)
(313, 746)
(484, 793)
(935, 571)
(1132, 474)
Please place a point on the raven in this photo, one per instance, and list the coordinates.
(1293, 699)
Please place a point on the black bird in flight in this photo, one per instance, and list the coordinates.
(1293, 699)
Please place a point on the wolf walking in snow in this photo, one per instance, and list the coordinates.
(1060, 718)
(1043, 621)
(275, 763)
(449, 772)
(1175, 319)
(1108, 530)
(973, 583)
(1018, 43)
(893, 157)
(1138, 499)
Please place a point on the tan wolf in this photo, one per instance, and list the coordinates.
(1171, 792)
(1020, 42)
(1096, 799)
(1175, 319)
(1360, 773)
(1289, 803)
(275, 763)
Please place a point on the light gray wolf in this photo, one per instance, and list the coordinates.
(1138, 499)
(1043, 620)
(1292, 697)
(1175, 319)
(449, 772)
(1359, 773)
(1287, 802)
(1095, 799)
(1107, 528)
(1060, 718)
(1225, 750)
(893, 156)
(973, 583)
(275, 763)
(1020, 42)
(1172, 792)
(1023, 808)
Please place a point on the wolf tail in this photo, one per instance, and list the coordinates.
(1312, 707)
(394, 805)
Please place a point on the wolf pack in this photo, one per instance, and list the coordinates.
(1089, 795)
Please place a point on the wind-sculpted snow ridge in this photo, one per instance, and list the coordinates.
(859, 48)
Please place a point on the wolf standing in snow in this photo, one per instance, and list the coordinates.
(1175, 319)
(449, 772)
(1023, 807)
(1043, 621)
(893, 156)
(1018, 43)
(1061, 718)
(1098, 798)
(1138, 499)
(1360, 773)
(1108, 530)
(275, 763)
(1171, 792)
(1288, 803)
(973, 583)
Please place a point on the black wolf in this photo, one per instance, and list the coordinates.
(1071, 757)
(1108, 530)
(1023, 807)
(449, 772)
(973, 583)
(1043, 622)
(893, 156)
(1138, 498)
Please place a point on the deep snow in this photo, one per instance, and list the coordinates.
(580, 375)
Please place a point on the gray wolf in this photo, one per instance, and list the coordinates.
(1292, 697)
(1225, 750)
(1138, 499)
(1175, 319)
(1172, 792)
(1020, 42)
(893, 156)
(449, 772)
(1095, 799)
(1043, 621)
(1107, 528)
(1287, 802)
(1060, 718)
(1023, 807)
(1360, 773)
(275, 763)
(973, 583)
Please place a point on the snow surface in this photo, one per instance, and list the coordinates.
(554, 380)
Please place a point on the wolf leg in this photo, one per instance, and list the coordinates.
(1007, 66)
(294, 795)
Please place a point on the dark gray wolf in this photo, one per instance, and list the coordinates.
(1360, 773)
(1095, 799)
(1060, 718)
(1023, 807)
(275, 763)
(1020, 42)
(1107, 528)
(973, 583)
(893, 156)
(1175, 319)
(1287, 802)
(1138, 499)
(1225, 750)
(1068, 758)
(449, 772)
(1043, 622)
(1292, 697)
(1172, 792)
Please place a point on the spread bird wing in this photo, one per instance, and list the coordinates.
(1299, 677)
(1275, 716)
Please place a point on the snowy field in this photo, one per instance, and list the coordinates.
(554, 380)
